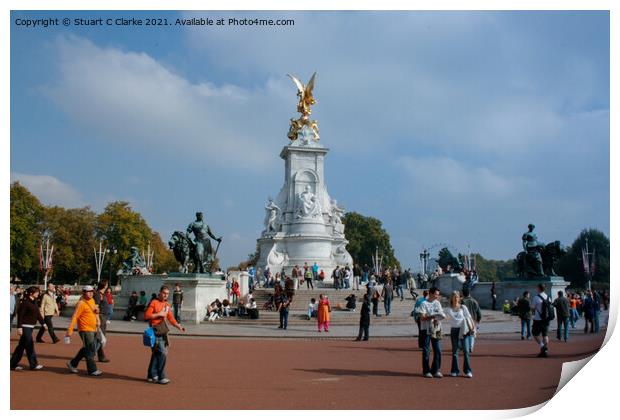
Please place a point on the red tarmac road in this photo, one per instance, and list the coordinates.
(297, 374)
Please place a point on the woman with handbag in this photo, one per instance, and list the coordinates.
(463, 329)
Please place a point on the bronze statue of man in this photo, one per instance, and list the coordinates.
(532, 247)
(203, 249)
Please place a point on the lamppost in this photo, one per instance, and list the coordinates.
(45, 257)
(424, 260)
(112, 251)
(99, 258)
(588, 263)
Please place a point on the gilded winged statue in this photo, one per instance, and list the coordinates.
(304, 93)
(306, 100)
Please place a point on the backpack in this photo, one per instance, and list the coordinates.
(547, 313)
(148, 338)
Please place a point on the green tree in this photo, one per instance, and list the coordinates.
(25, 233)
(493, 270)
(570, 265)
(122, 228)
(163, 258)
(365, 236)
(447, 259)
(72, 232)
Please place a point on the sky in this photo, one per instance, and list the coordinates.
(455, 128)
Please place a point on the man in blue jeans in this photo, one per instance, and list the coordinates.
(157, 314)
(431, 314)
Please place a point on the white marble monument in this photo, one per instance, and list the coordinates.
(303, 224)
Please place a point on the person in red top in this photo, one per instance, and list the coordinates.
(235, 292)
(157, 313)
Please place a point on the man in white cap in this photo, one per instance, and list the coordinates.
(87, 319)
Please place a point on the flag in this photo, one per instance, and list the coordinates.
(593, 265)
(586, 262)
(41, 257)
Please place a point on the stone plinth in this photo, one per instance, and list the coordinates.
(199, 290)
(507, 289)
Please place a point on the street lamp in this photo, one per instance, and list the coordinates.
(112, 250)
(424, 259)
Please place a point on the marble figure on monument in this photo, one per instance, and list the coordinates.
(335, 218)
(276, 258)
(273, 211)
(309, 205)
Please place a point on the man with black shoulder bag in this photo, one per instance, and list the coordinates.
(157, 313)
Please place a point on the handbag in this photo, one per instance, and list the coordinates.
(436, 330)
(101, 337)
(471, 325)
(161, 329)
(148, 337)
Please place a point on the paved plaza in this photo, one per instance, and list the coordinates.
(306, 371)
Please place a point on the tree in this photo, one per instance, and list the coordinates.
(365, 236)
(493, 270)
(447, 259)
(25, 235)
(72, 232)
(570, 265)
(163, 258)
(122, 228)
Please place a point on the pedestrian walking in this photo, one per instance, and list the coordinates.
(104, 309)
(283, 308)
(49, 309)
(356, 276)
(28, 315)
(597, 310)
(574, 314)
(375, 301)
(540, 326)
(336, 277)
(13, 301)
(308, 276)
(431, 313)
(493, 297)
(177, 301)
(323, 313)
(474, 310)
(87, 320)
(388, 295)
(588, 311)
(158, 314)
(562, 315)
(364, 320)
(463, 328)
(416, 316)
(524, 310)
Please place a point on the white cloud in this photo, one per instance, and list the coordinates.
(50, 190)
(126, 97)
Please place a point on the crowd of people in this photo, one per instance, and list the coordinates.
(93, 310)
(90, 317)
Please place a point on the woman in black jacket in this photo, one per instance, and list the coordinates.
(27, 317)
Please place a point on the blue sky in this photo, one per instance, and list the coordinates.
(450, 127)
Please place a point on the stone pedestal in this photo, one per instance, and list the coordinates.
(507, 289)
(199, 290)
(308, 227)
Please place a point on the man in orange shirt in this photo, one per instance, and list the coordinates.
(87, 319)
(157, 313)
